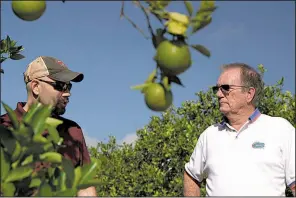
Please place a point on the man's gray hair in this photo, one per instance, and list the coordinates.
(249, 78)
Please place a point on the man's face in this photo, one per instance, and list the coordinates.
(234, 99)
(51, 93)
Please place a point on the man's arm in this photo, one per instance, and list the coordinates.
(191, 186)
(88, 192)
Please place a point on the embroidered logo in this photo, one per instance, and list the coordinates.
(258, 145)
(61, 63)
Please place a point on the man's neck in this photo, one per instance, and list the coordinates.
(237, 120)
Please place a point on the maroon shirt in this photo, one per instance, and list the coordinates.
(75, 148)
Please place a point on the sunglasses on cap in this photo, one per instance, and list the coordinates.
(59, 86)
(225, 88)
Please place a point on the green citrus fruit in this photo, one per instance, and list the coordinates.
(157, 98)
(173, 57)
(28, 10)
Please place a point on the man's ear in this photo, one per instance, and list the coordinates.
(251, 94)
(35, 87)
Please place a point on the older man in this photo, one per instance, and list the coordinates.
(249, 153)
(48, 82)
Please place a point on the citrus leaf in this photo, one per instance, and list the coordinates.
(69, 170)
(8, 189)
(66, 193)
(77, 172)
(45, 190)
(19, 173)
(189, 7)
(38, 119)
(51, 157)
(176, 80)
(89, 183)
(11, 115)
(53, 134)
(202, 50)
(88, 172)
(140, 87)
(53, 122)
(35, 182)
(5, 164)
(16, 56)
(7, 139)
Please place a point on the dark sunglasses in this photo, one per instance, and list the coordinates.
(59, 86)
(225, 88)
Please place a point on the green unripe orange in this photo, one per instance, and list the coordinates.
(157, 98)
(173, 57)
(28, 10)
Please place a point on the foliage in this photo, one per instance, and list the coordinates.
(23, 147)
(12, 51)
(154, 164)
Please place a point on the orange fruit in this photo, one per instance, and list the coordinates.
(28, 10)
(173, 57)
(157, 98)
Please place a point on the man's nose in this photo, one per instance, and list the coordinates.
(66, 94)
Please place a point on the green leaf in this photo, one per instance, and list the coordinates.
(52, 157)
(53, 122)
(62, 181)
(89, 183)
(11, 115)
(8, 41)
(189, 7)
(35, 182)
(16, 56)
(77, 172)
(38, 119)
(8, 189)
(200, 24)
(203, 50)
(5, 164)
(27, 160)
(176, 80)
(66, 193)
(7, 140)
(53, 134)
(88, 172)
(19, 173)
(69, 170)
(27, 118)
(45, 190)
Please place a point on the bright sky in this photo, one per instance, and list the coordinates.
(90, 38)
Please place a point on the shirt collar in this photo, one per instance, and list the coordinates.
(253, 117)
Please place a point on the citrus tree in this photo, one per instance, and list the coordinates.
(154, 164)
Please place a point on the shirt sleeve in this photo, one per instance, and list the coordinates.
(85, 153)
(289, 156)
(195, 166)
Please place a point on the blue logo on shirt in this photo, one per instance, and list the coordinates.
(258, 145)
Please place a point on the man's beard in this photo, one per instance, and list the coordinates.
(60, 107)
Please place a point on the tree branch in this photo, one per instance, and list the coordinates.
(134, 25)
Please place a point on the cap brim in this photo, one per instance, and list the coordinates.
(67, 76)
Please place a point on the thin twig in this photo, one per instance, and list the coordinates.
(134, 25)
(147, 18)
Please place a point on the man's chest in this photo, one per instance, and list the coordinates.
(247, 151)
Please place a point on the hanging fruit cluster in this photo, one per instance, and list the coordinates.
(172, 56)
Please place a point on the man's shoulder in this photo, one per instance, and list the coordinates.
(67, 121)
(276, 121)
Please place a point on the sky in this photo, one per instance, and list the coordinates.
(90, 37)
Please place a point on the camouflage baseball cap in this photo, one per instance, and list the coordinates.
(46, 66)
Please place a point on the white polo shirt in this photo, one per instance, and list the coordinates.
(257, 160)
